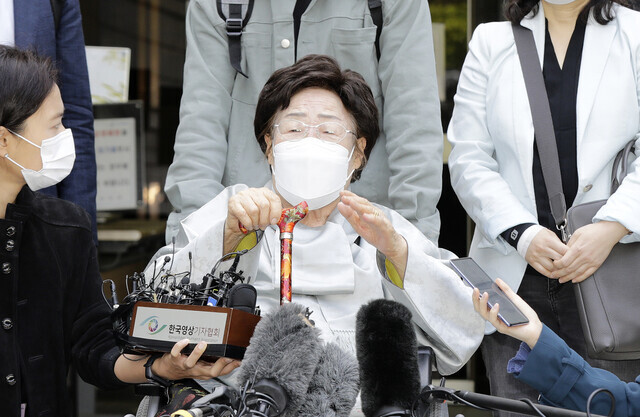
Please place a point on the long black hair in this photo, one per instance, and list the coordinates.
(516, 10)
(26, 80)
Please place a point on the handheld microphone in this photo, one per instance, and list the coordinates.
(173, 251)
(163, 288)
(219, 403)
(279, 363)
(334, 386)
(155, 263)
(386, 348)
(165, 261)
(114, 295)
(242, 297)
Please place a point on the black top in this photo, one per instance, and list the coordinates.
(562, 90)
(298, 11)
(52, 311)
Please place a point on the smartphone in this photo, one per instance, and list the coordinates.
(475, 277)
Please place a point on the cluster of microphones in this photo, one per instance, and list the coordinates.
(288, 371)
(217, 289)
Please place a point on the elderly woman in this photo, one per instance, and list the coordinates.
(52, 308)
(317, 126)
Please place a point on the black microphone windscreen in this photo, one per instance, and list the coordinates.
(284, 348)
(386, 348)
(335, 384)
(242, 297)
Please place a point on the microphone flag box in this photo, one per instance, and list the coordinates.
(156, 327)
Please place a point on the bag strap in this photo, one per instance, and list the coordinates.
(620, 168)
(542, 123)
(236, 14)
(375, 6)
(545, 135)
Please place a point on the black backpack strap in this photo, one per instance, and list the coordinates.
(236, 14)
(56, 8)
(375, 6)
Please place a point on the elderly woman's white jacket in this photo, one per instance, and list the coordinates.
(334, 275)
(491, 131)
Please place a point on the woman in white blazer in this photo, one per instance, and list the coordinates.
(590, 54)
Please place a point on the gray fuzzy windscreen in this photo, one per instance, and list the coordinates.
(284, 348)
(335, 384)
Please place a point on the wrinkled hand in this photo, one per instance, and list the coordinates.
(528, 333)
(255, 208)
(176, 365)
(544, 248)
(370, 223)
(589, 246)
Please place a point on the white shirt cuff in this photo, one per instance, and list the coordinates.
(526, 238)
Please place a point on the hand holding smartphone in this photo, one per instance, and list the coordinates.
(475, 277)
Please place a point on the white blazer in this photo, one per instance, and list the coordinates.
(492, 133)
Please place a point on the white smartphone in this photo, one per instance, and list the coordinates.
(475, 277)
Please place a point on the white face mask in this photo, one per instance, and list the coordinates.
(310, 170)
(559, 1)
(58, 155)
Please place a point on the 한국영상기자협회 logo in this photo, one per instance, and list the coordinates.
(152, 325)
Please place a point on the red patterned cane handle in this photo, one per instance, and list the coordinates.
(287, 222)
(288, 219)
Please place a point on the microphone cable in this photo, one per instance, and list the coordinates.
(173, 251)
(445, 394)
(533, 406)
(448, 394)
(596, 392)
(114, 296)
(165, 261)
(237, 254)
(250, 396)
(227, 257)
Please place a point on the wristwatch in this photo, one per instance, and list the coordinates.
(151, 377)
